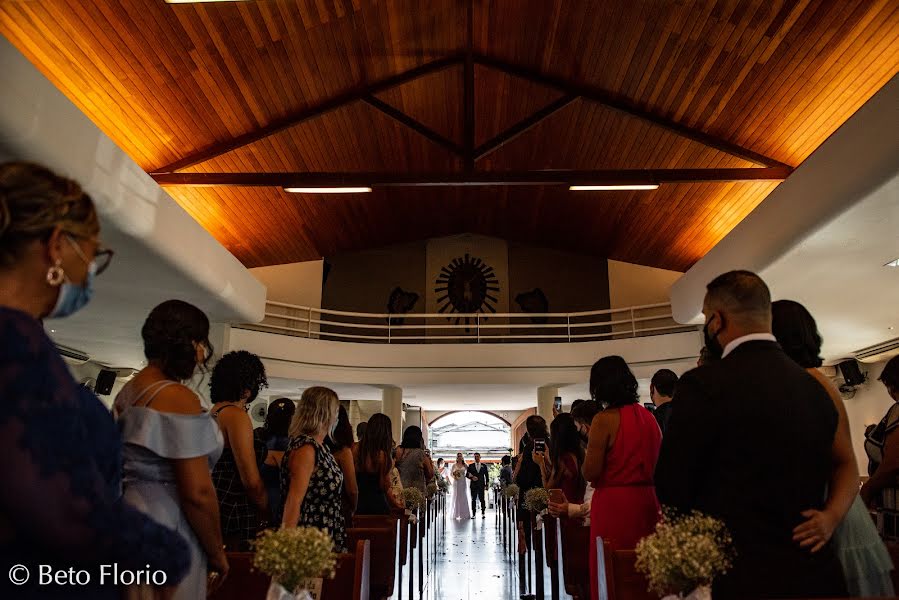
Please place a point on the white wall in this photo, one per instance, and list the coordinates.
(634, 285)
(867, 407)
(296, 283)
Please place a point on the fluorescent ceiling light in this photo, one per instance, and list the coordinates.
(892, 263)
(327, 190)
(199, 1)
(606, 188)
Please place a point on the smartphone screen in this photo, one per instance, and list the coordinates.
(558, 403)
(540, 445)
(556, 496)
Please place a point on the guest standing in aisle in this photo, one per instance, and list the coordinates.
(171, 443)
(273, 435)
(621, 456)
(243, 503)
(373, 465)
(60, 451)
(750, 442)
(866, 561)
(415, 468)
(340, 443)
(311, 480)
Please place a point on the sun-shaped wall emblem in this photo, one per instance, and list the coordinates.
(467, 285)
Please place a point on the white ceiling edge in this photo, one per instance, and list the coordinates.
(161, 251)
(854, 163)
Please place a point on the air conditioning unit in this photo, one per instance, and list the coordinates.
(878, 352)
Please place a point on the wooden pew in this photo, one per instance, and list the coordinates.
(383, 556)
(351, 581)
(576, 558)
(618, 575)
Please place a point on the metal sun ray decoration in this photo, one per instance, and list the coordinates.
(467, 285)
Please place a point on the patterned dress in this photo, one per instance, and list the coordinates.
(322, 506)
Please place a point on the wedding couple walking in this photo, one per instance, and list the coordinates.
(476, 474)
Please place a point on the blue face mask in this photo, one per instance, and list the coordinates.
(72, 297)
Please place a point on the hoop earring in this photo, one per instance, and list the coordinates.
(55, 274)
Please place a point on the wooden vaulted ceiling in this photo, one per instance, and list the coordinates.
(169, 83)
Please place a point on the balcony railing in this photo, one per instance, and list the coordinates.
(606, 324)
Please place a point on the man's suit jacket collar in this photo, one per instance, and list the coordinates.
(752, 337)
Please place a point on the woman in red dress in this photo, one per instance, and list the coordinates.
(621, 458)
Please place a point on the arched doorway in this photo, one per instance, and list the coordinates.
(468, 432)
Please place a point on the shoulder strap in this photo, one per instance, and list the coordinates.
(155, 387)
(215, 412)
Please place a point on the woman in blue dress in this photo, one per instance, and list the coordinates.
(172, 444)
(60, 451)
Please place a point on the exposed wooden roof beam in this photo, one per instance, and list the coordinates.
(555, 177)
(623, 105)
(414, 125)
(292, 120)
(522, 126)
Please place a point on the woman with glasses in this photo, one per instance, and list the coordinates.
(60, 451)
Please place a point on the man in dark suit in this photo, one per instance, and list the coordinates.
(749, 442)
(477, 473)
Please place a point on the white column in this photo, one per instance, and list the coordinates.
(392, 406)
(545, 397)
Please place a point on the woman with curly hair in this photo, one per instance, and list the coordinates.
(622, 452)
(243, 503)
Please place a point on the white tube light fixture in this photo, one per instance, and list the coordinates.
(612, 188)
(199, 1)
(327, 190)
(892, 263)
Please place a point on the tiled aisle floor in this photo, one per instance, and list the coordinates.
(472, 564)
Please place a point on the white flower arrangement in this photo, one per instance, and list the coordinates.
(536, 500)
(293, 556)
(432, 489)
(685, 553)
(413, 498)
(443, 484)
(457, 475)
(511, 490)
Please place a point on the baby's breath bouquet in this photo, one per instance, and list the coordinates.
(294, 556)
(536, 500)
(511, 491)
(432, 489)
(443, 484)
(685, 554)
(413, 498)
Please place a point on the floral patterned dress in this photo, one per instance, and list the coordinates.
(322, 504)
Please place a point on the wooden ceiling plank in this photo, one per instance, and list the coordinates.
(522, 126)
(302, 116)
(414, 125)
(603, 97)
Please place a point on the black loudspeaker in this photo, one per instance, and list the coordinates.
(105, 381)
(852, 375)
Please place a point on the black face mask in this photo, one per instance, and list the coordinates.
(711, 343)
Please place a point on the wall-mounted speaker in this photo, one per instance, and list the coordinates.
(852, 374)
(105, 381)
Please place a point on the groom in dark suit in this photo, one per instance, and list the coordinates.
(477, 473)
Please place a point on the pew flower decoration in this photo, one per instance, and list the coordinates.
(536, 500)
(294, 558)
(432, 489)
(511, 491)
(443, 484)
(685, 555)
(413, 499)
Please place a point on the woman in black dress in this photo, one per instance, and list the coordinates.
(373, 465)
(340, 443)
(243, 502)
(273, 435)
(311, 480)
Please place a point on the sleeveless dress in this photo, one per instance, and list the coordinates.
(153, 440)
(66, 440)
(271, 475)
(412, 469)
(239, 517)
(624, 508)
(461, 508)
(322, 506)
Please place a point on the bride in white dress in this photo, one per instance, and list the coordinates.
(461, 509)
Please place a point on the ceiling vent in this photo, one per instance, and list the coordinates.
(74, 356)
(878, 352)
